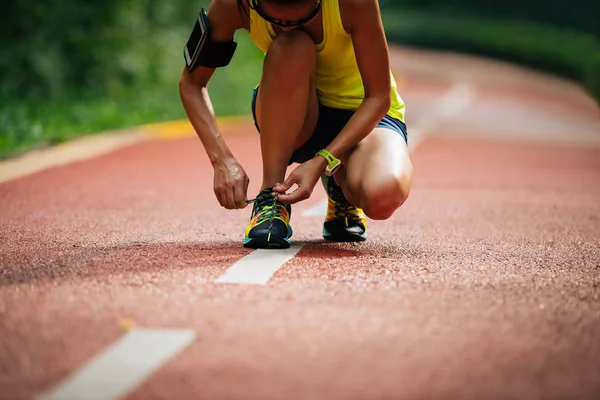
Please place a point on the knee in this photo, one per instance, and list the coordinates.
(292, 53)
(380, 200)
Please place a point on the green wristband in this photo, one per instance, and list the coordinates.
(332, 162)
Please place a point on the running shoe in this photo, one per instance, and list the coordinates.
(269, 226)
(344, 222)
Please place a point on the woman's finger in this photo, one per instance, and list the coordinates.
(220, 197)
(239, 195)
(287, 184)
(230, 198)
(301, 193)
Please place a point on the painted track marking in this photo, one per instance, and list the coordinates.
(79, 149)
(122, 366)
(87, 147)
(259, 266)
(317, 210)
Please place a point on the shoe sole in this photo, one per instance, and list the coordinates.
(262, 243)
(272, 242)
(345, 238)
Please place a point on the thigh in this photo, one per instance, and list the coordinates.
(382, 156)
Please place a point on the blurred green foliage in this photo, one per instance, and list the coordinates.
(560, 38)
(51, 48)
(73, 67)
(578, 15)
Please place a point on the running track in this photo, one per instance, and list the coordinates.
(115, 270)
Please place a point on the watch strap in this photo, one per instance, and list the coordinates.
(333, 163)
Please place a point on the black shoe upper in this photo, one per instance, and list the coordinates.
(346, 224)
(269, 210)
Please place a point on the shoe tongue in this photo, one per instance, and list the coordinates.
(336, 192)
(265, 197)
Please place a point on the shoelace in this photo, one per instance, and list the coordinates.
(347, 212)
(343, 208)
(259, 204)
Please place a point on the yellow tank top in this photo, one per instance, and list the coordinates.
(339, 83)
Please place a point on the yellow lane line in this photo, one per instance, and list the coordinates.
(183, 128)
(86, 147)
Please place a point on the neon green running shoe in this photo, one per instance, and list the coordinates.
(269, 226)
(344, 222)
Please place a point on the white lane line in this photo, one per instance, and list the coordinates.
(259, 266)
(317, 210)
(457, 99)
(122, 366)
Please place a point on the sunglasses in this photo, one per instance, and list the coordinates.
(287, 24)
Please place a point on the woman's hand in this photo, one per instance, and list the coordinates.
(231, 184)
(305, 176)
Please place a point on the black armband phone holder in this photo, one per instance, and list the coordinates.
(201, 50)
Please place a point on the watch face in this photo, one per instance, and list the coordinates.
(330, 171)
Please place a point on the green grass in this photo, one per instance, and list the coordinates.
(28, 123)
(568, 53)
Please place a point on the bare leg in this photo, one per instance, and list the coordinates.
(378, 174)
(286, 106)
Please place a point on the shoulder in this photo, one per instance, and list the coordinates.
(226, 17)
(356, 12)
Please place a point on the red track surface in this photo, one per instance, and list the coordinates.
(485, 285)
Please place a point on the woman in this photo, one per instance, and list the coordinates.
(326, 97)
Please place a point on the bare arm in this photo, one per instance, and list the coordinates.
(363, 19)
(225, 20)
(230, 179)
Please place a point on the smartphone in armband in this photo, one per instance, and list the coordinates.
(197, 39)
(201, 49)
